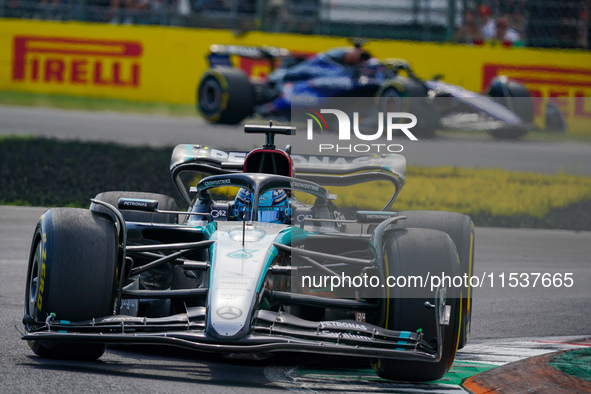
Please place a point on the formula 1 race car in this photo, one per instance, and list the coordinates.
(227, 94)
(229, 274)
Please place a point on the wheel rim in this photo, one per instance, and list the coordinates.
(33, 285)
(210, 97)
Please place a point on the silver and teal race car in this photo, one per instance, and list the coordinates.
(251, 268)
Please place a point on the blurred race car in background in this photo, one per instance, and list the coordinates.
(227, 94)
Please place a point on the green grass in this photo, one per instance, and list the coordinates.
(492, 197)
(94, 104)
(495, 192)
(47, 172)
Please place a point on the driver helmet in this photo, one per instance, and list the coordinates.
(273, 206)
(356, 56)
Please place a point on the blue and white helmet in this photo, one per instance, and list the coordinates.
(273, 206)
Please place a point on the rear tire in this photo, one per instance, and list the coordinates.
(71, 273)
(460, 228)
(225, 95)
(417, 252)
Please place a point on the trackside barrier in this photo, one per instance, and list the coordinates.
(164, 64)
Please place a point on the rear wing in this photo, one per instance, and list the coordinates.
(324, 170)
(220, 55)
(252, 52)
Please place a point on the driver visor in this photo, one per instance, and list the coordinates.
(266, 214)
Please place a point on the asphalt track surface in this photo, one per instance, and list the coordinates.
(480, 152)
(499, 316)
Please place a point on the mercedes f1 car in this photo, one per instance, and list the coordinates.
(228, 274)
(227, 94)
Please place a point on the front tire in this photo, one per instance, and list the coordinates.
(71, 273)
(515, 96)
(412, 252)
(460, 228)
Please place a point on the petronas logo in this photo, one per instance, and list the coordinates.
(241, 254)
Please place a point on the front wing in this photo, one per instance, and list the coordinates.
(270, 332)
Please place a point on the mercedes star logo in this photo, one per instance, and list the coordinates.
(229, 312)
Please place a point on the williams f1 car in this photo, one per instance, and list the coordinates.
(228, 275)
(228, 94)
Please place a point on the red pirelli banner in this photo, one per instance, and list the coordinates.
(42, 59)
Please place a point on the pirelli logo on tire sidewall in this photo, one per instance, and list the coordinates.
(76, 61)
